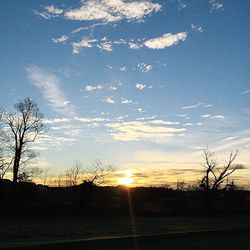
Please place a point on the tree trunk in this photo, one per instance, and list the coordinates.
(16, 167)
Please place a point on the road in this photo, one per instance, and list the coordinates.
(221, 240)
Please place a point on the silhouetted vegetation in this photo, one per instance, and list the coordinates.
(89, 199)
(19, 129)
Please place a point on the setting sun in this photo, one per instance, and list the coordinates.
(126, 180)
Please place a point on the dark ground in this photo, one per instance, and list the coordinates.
(223, 240)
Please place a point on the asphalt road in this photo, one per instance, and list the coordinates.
(221, 240)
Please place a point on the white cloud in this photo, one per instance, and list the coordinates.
(141, 130)
(133, 45)
(206, 116)
(84, 43)
(53, 10)
(197, 105)
(89, 120)
(144, 67)
(146, 118)
(140, 110)
(113, 88)
(197, 27)
(47, 141)
(140, 86)
(105, 46)
(245, 92)
(90, 88)
(61, 39)
(161, 122)
(50, 12)
(188, 124)
(109, 100)
(50, 85)
(124, 68)
(166, 40)
(126, 101)
(58, 120)
(112, 10)
(216, 5)
(182, 5)
(217, 117)
(214, 117)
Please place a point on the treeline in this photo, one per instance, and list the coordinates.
(87, 199)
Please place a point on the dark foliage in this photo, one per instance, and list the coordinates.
(89, 199)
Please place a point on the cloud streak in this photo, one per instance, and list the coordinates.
(50, 86)
(143, 131)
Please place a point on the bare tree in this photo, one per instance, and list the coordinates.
(23, 127)
(27, 173)
(98, 173)
(5, 163)
(215, 175)
(74, 174)
(5, 159)
(180, 185)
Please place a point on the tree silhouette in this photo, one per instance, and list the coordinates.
(73, 175)
(22, 128)
(98, 173)
(215, 174)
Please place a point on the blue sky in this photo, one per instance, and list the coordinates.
(140, 84)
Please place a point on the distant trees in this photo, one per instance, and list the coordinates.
(74, 174)
(19, 129)
(95, 175)
(216, 176)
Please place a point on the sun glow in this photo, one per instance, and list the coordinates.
(126, 180)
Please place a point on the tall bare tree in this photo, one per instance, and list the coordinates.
(215, 174)
(21, 129)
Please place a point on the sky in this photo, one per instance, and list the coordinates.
(141, 84)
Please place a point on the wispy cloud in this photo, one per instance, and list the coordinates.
(49, 12)
(142, 130)
(197, 105)
(107, 46)
(90, 88)
(140, 86)
(217, 117)
(58, 120)
(214, 117)
(109, 100)
(88, 120)
(216, 5)
(84, 43)
(126, 101)
(50, 86)
(245, 92)
(124, 68)
(144, 67)
(134, 45)
(166, 40)
(61, 39)
(197, 27)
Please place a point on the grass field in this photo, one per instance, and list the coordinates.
(14, 231)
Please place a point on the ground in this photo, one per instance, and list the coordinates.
(16, 232)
